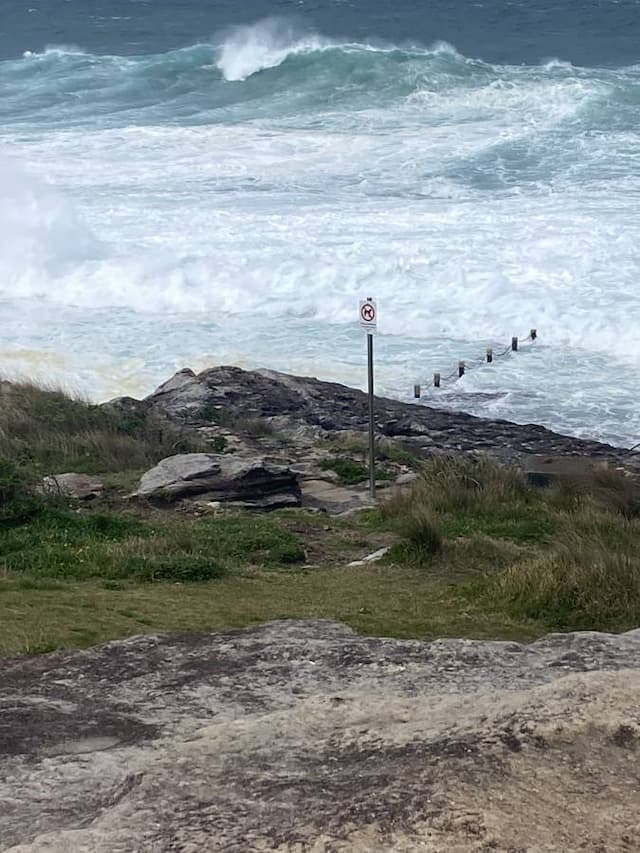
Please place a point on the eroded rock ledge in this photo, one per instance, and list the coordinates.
(301, 736)
(314, 407)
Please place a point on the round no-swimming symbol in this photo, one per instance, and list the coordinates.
(368, 313)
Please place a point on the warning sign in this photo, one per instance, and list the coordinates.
(368, 315)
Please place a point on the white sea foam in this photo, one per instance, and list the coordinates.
(247, 50)
(55, 50)
(42, 236)
(473, 201)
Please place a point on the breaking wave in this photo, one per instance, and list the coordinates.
(258, 183)
(270, 70)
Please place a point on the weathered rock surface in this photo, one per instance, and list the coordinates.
(314, 408)
(219, 477)
(301, 736)
(79, 486)
(334, 499)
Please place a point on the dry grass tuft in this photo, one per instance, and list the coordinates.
(609, 489)
(53, 432)
(581, 583)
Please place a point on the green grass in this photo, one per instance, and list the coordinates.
(578, 560)
(475, 552)
(65, 544)
(387, 450)
(587, 581)
(377, 600)
(351, 472)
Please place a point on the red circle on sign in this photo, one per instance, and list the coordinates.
(368, 313)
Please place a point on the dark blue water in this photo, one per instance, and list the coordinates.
(584, 32)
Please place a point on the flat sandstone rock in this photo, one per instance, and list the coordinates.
(301, 736)
(218, 477)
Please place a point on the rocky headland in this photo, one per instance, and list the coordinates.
(297, 422)
(301, 734)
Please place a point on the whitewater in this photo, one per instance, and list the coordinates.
(230, 202)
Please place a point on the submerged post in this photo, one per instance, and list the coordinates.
(489, 356)
(514, 344)
(368, 315)
(436, 380)
(417, 391)
(461, 369)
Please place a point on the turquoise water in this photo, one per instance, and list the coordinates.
(183, 188)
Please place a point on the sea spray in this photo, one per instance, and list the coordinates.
(43, 237)
(247, 50)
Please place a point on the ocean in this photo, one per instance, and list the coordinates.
(195, 183)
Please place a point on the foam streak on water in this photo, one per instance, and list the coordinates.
(231, 201)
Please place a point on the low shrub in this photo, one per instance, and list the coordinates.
(422, 539)
(219, 444)
(19, 498)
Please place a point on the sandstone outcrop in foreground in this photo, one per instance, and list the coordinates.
(299, 736)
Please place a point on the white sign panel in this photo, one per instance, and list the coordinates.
(368, 315)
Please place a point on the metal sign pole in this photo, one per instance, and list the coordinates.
(372, 457)
(368, 317)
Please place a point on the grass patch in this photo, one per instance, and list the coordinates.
(476, 552)
(60, 543)
(465, 498)
(54, 432)
(387, 450)
(377, 600)
(580, 584)
(254, 539)
(568, 557)
(179, 568)
(351, 472)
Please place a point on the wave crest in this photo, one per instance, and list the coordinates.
(249, 49)
(253, 48)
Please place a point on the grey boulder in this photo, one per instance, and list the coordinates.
(250, 481)
(80, 486)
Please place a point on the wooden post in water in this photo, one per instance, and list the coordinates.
(514, 344)
(489, 356)
(416, 392)
(436, 380)
(460, 369)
